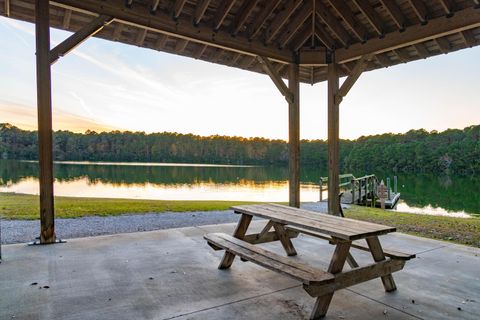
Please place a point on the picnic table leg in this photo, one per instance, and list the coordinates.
(239, 233)
(378, 255)
(284, 239)
(336, 265)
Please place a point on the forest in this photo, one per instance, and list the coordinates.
(450, 151)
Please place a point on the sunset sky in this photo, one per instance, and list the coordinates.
(106, 85)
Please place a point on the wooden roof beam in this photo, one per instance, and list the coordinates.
(162, 22)
(200, 11)
(262, 17)
(154, 6)
(117, 32)
(395, 12)
(443, 44)
(277, 80)
(128, 3)
(142, 33)
(281, 19)
(199, 52)
(180, 46)
(352, 78)
(465, 19)
(383, 59)
(302, 36)
(326, 16)
(448, 6)
(67, 16)
(161, 41)
(371, 15)
(468, 38)
(420, 10)
(422, 51)
(325, 38)
(78, 37)
(177, 9)
(344, 12)
(245, 11)
(317, 58)
(7, 8)
(222, 13)
(295, 23)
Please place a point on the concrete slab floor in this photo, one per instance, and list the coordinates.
(172, 274)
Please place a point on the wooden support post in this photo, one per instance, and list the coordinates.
(333, 140)
(294, 135)
(44, 105)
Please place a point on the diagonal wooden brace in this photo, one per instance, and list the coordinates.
(352, 78)
(277, 80)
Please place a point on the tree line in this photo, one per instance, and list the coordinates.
(453, 150)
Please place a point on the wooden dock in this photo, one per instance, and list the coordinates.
(364, 190)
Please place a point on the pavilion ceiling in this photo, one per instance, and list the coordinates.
(234, 32)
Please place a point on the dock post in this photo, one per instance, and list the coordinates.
(388, 188)
(395, 184)
(352, 183)
(321, 189)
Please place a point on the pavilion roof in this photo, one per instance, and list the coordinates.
(234, 32)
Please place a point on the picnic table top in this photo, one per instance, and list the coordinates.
(338, 227)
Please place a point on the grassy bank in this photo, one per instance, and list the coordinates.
(22, 206)
(26, 207)
(459, 230)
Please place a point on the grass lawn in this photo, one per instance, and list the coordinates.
(459, 230)
(25, 207)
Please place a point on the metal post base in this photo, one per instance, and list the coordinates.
(36, 242)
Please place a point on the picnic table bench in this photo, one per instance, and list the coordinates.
(287, 223)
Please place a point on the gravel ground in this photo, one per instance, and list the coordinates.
(20, 231)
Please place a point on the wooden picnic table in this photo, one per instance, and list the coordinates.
(287, 223)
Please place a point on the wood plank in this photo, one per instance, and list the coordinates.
(372, 16)
(257, 238)
(462, 20)
(280, 20)
(272, 261)
(420, 10)
(356, 244)
(296, 22)
(242, 16)
(67, 16)
(284, 239)
(44, 109)
(200, 11)
(222, 12)
(318, 225)
(395, 12)
(335, 26)
(294, 136)
(239, 233)
(257, 25)
(347, 16)
(378, 255)
(355, 276)
(177, 10)
(333, 223)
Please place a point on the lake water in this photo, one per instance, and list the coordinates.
(430, 194)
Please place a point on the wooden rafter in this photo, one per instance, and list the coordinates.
(281, 19)
(335, 26)
(402, 55)
(154, 6)
(303, 35)
(117, 32)
(468, 38)
(462, 20)
(200, 51)
(448, 6)
(295, 24)
(200, 11)
(78, 37)
(372, 16)
(422, 51)
(443, 44)
(420, 10)
(241, 18)
(180, 28)
(383, 59)
(67, 16)
(177, 9)
(394, 11)
(142, 33)
(343, 11)
(7, 8)
(352, 78)
(324, 37)
(246, 62)
(181, 45)
(262, 17)
(277, 80)
(222, 13)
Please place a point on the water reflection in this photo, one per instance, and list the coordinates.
(251, 183)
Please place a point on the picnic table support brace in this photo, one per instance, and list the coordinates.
(284, 239)
(239, 233)
(336, 266)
